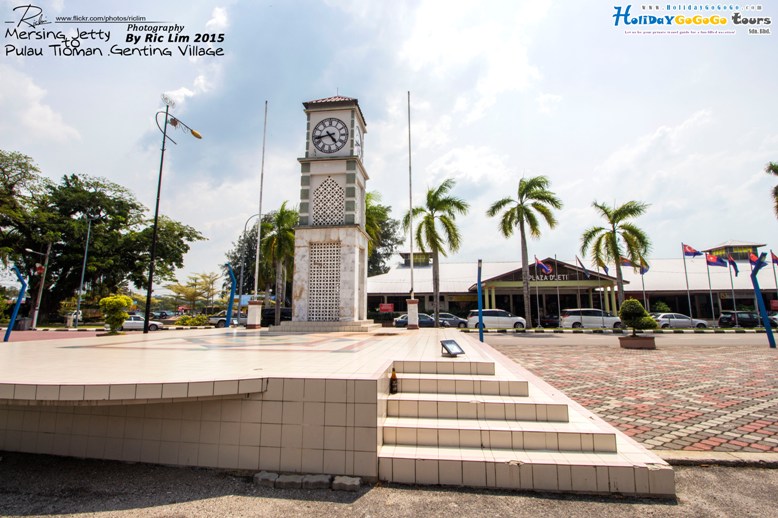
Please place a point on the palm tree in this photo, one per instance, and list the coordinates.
(440, 210)
(532, 198)
(772, 168)
(618, 239)
(278, 248)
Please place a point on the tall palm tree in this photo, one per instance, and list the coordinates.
(772, 168)
(532, 199)
(278, 248)
(436, 228)
(375, 215)
(618, 239)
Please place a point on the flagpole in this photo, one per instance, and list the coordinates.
(732, 285)
(537, 294)
(558, 302)
(258, 251)
(686, 275)
(643, 283)
(578, 293)
(410, 196)
(710, 288)
(774, 277)
(756, 304)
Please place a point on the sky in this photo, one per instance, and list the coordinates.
(680, 116)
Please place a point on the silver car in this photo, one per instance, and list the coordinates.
(453, 320)
(135, 323)
(672, 320)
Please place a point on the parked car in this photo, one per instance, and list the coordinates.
(135, 323)
(665, 320)
(496, 318)
(453, 320)
(589, 317)
(160, 314)
(743, 319)
(269, 316)
(424, 321)
(220, 319)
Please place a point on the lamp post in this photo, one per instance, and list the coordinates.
(83, 269)
(172, 121)
(242, 260)
(37, 308)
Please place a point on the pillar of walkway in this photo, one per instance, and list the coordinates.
(614, 305)
(607, 298)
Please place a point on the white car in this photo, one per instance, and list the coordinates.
(589, 317)
(495, 318)
(135, 323)
(665, 320)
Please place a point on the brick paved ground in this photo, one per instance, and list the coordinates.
(717, 396)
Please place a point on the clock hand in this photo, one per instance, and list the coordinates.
(329, 134)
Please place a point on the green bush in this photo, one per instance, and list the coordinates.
(634, 315)
(188, 320)
(115, 309)
(661, 307)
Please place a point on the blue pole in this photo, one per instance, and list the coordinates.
(232, 296)
(760, 301)
(480, 306)
(16, 306)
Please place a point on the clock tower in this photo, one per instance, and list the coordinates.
(330, 259)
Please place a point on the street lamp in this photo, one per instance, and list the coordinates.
(176, 123)
(37, 307)
(83, 268)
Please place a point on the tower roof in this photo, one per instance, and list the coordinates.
(337, 101)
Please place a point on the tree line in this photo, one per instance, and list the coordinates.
(36, 212)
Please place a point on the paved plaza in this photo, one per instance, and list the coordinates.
(696, 392)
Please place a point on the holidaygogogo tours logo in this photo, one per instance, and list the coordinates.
(679, 18)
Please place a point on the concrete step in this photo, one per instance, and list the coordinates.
(459, 365)
(480, 406)
(588, 473)
(459, 384)
(516, 435)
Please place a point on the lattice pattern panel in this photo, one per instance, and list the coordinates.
(324, 282)
(329, 203)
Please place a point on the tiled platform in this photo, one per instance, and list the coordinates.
(315, 403)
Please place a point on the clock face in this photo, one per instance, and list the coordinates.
(358, 142)
(330, 135)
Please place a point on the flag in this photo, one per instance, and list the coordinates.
(714, 260)
(733, 264)
(605, 269)
(643, 268)
(626, 262)
(774, 257)
(544, 267)
(689, 251)
(752, 259)
(585, 271)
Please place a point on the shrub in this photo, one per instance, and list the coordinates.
(188, 320)
(661, 307)
(634, 315)
(115, 308)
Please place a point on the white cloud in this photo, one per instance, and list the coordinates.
(547, 103)
(26, 112)
(473, 48)
(219, 20)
